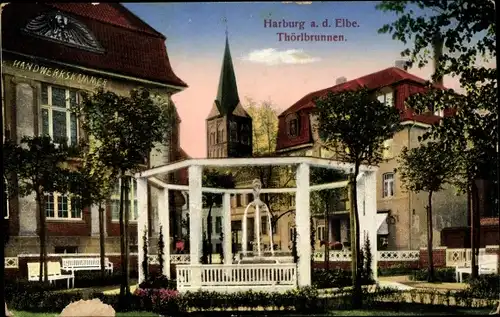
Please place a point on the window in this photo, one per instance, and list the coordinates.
(212, 138)
(238, 200)
(291, 201)
(62, 207)
(5, 204)
(219, 134)
(57, 120)
(249, 198)
(115, 201)
(233, 127)
(293, 127)
(245, 134)
(387, 152)
(388, 184)
(320, 233)
(218, 224)
(386, 99)
(264, 225)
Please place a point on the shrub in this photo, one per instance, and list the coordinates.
(93, 278)
(322, 278)
(485, 286)
(440, 274)
(40, 299)
(158, 281)
(396, 270)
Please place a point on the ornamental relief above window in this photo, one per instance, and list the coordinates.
(59, 27)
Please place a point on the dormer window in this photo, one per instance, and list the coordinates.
(386, 99)
(292, 125)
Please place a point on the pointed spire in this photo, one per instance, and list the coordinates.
(227, 95)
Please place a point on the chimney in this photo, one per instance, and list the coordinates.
(340, 80)
(437, 46)
(401, 64)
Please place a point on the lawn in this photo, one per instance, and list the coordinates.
(376, 312)
(128, 314)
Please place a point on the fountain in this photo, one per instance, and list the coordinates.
(257, 204)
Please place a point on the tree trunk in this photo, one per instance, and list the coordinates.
(354, 223)
(42, 232)
(357, 298)
(101, 240)
(127, 234)
(209, 232)
(327, 233)
(474, 214)
(430, 234)
(123, 282)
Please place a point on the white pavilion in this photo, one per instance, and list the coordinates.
(265, 275)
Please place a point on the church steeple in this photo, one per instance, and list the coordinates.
(227, 94)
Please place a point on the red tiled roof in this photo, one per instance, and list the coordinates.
(386, 77)
(131, 47)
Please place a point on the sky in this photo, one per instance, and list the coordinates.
(266, 68)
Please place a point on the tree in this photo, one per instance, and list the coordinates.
(93, 183)
(427, 168)
(215, 179)
(126, 129)
(355, 124)
(462, 33)
(37, 165)
(323, 202)
(264, 137)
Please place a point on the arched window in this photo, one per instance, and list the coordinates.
(388, 185)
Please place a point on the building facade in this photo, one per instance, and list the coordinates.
(402, 214)
(52, 52)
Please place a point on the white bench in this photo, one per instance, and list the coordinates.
(53, 273)
(488, 264)
(85, 264)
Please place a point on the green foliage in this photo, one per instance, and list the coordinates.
(396, 270)
(38, 164)
(161, 254)
(426, 168)
(158, 281)
(440, 275)
(367, 273)
(356, 124)
(145, 261)
(484, 286)
(216, 179)
(327, 199)
(125, 128)
(467, 31)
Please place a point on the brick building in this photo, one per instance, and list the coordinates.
(402, 215)
(51, 52)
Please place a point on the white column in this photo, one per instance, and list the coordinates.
(367, 207)
(163, 219)
(195, 216)
(330, 230)
(302, 215)
(195, 222)
(142, 222)
(226, 228)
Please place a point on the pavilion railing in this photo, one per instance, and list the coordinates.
(236, 275)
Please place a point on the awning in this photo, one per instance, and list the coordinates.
(382, 226)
